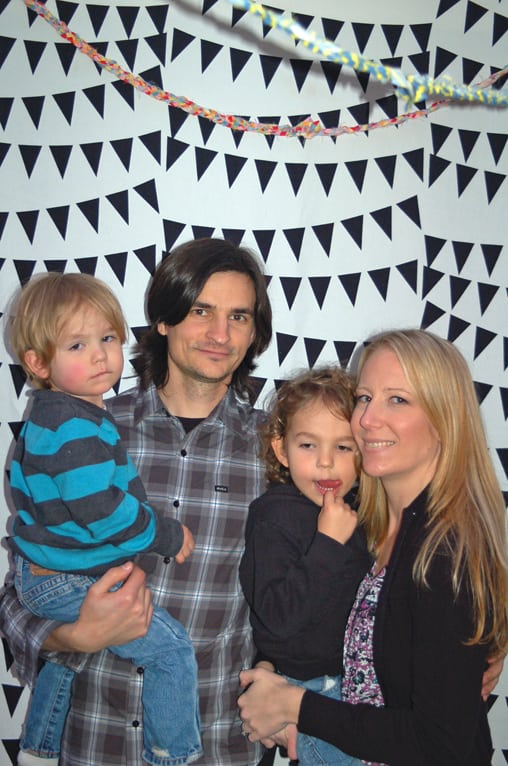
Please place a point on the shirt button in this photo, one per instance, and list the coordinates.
(135, 724)
(176, 504)
(166, 559)
(183, 452)
(140, 670)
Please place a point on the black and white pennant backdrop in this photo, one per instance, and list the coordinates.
(404, 225)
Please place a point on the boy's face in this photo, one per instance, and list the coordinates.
(88, 357)
(319, 451)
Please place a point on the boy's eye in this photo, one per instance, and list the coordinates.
(109, 338)
(76, 347)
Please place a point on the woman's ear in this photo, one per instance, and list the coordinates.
(280, 450)
(37, 366)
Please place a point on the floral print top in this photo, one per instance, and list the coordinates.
(359, 681)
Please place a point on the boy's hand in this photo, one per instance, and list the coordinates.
(336, 519)
(187, 546)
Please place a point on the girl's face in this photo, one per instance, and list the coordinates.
(319, 451)
(88, 357)
(397, 441)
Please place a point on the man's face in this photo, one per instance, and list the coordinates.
(211, 342)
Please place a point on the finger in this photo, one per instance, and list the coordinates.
(114, 576)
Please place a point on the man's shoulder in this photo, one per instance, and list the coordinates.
(125, 402)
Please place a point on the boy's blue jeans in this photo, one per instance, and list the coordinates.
(170, 698)
(316, 752)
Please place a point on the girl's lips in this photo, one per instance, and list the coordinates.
(327, 485)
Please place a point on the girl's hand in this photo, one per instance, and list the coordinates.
(336, 519)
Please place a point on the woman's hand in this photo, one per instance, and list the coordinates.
(268, 704)
(491, 675)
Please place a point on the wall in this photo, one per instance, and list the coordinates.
(402, 225)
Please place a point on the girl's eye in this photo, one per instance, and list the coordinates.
(306, 445)
(344, 448)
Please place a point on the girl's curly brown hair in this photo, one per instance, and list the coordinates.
(330, 385)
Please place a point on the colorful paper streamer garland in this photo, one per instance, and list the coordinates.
(411, 85)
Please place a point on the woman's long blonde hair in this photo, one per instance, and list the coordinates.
(466, 510)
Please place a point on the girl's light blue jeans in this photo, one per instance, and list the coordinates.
(316, 752)
(169, 679)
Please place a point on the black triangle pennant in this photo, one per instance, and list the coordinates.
(357, 169)
(499, 27)
(158, 44)
(269, 66)
(128, 15)
(387, 167)
(392, 33)
(126, 91)
(290, 286)
(456, 327)
(421, 62)
(486, 293)
(28, 220)
(296, 172)
(313, 348)
(158, 14)
(5, 110)
(118, 263)
(12, 695)
(326, 172)
(269, 120)
(207, 4)
(238, 60)
(128, 49)
(470, 69)
(61, 155)
(443, 60)
(410, 207)
(430, 279)
(60, 217)
(206, 127)
(6, 44)
(320, 288)
(24, 270)
(360, 113)
(65, 102)
(331, 28)
(461, 251)
(172, 230)
(264, 239)
(120, 202)
(209, 51)
(505, 353)
(493, 182)
(362, 32)
(33, 105)
(152, 141)
(491, 254)
(123, 150)
(483, 338)
(409, 271)
(29, 155)
(331, 71)
(238, 14)
(415, 161)
(433, 246)
(383, 218)
(4, 148)
(350, 283)
(437, 166)
(18, 377)
(148, 257)
(381, 278)
(199, 232)
(234, 165)
(66, 55)
(238, 134)
(138, 332)
(458, 286)
(180, 41)
(257, 384)
(66, 10)
(57, 266)
(174, 150)
(265, 170)
(354, 227)
(324, 233)
(474, 13)
(504, 400)
(204, 158)
(294, 238)
(177, 118)
(95, 95)
(363, 80)
(234, 235)
(3, 220)
(9, 659)
(389, 106)
(497, 143)
(92, 153)
(148, 191)
(97, 14)
(482, 390)
(301, 69)
(430, 315)
(87, 265)
(34, 50)
(284, 345)
(90, 209)
(344, 350)
(465, 175)
(468, 139)
(421, 33)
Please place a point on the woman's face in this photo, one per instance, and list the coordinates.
(397, 441)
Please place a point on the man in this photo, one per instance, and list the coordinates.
(192, 433)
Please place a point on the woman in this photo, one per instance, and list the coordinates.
(438, 591)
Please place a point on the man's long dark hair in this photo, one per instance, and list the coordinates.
(176, 284)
